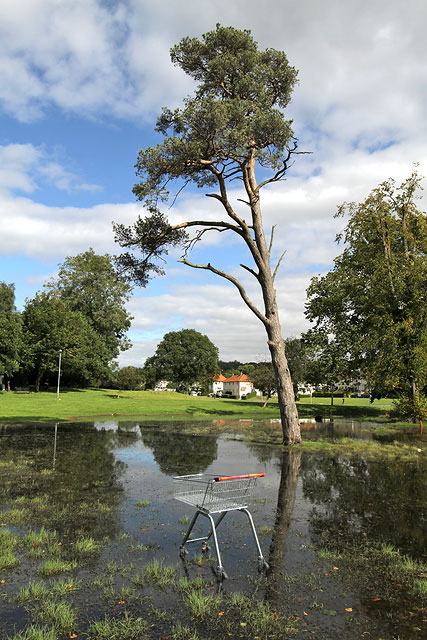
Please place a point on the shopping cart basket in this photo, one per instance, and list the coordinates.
(217, 495)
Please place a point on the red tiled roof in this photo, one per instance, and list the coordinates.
(242, 378)
(218, 377)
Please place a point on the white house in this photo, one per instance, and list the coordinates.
(237, 385)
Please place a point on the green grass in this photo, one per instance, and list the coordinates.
(35, 591)
(104, 404)
(8, 560)
(86, 546)
(34, 632)
(58, 614)
(201, 606)
(155, 572)
(54, 566)
(127, 628)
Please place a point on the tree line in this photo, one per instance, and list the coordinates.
(81, 312)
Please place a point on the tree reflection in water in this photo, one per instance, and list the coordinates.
(180, 454)
(290, 468)
(381, 498)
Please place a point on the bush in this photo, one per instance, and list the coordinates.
(412, 409)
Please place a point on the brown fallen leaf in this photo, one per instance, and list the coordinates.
(349, 609)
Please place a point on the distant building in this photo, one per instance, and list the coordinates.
(237, 385)
(218, 383)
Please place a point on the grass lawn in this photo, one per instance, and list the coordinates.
(103, 404)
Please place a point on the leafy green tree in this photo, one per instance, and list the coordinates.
(90, 285)
(184, 358)
(327, 364)
(130, 378)
(374, 301)
(10, 332)
(264, 379)
(50, 325)
(232, 129)
(296, 356)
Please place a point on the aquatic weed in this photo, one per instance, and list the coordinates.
(142, 503)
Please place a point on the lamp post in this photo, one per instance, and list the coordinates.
(59, 374)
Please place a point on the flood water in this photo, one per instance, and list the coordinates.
(113, 482)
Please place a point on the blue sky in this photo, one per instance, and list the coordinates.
(81, 85)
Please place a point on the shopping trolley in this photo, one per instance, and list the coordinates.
(217, 495)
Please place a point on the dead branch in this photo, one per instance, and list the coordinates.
(237, 284)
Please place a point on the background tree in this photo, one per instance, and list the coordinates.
(10, 332)
(374, 301)
(90, 285)
(296, 355)
(232, 129)
(327, 364)
(129, 378)
(50, 325)
(264, 379)
(185, 358)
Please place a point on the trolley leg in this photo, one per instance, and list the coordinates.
(220, 571)
(262, 563)
(217, 523)
(182, 549)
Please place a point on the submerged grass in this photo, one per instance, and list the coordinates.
(53, 566)
(127, 628)
(60, 615)
(34, 632)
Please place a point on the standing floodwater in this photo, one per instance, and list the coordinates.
(90, 531)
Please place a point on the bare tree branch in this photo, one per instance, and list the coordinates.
(278, 264)
(270, 246)
(254, 273)
(237, 284)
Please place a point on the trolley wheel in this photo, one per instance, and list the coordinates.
(183, 552)
(220, 573)
(262, 564)
(205, 548)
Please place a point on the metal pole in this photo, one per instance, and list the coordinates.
(59, 374)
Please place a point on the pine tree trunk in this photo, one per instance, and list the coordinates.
(285, 390)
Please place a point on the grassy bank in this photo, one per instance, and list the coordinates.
(103, 404)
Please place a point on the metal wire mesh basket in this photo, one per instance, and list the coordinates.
(215, 494)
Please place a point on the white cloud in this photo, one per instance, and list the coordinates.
(25, 167)
(359, 108)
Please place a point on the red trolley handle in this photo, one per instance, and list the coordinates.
(250, 475)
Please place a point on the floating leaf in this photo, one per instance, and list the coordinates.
(349, 609)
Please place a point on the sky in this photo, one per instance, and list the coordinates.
(81, 85)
